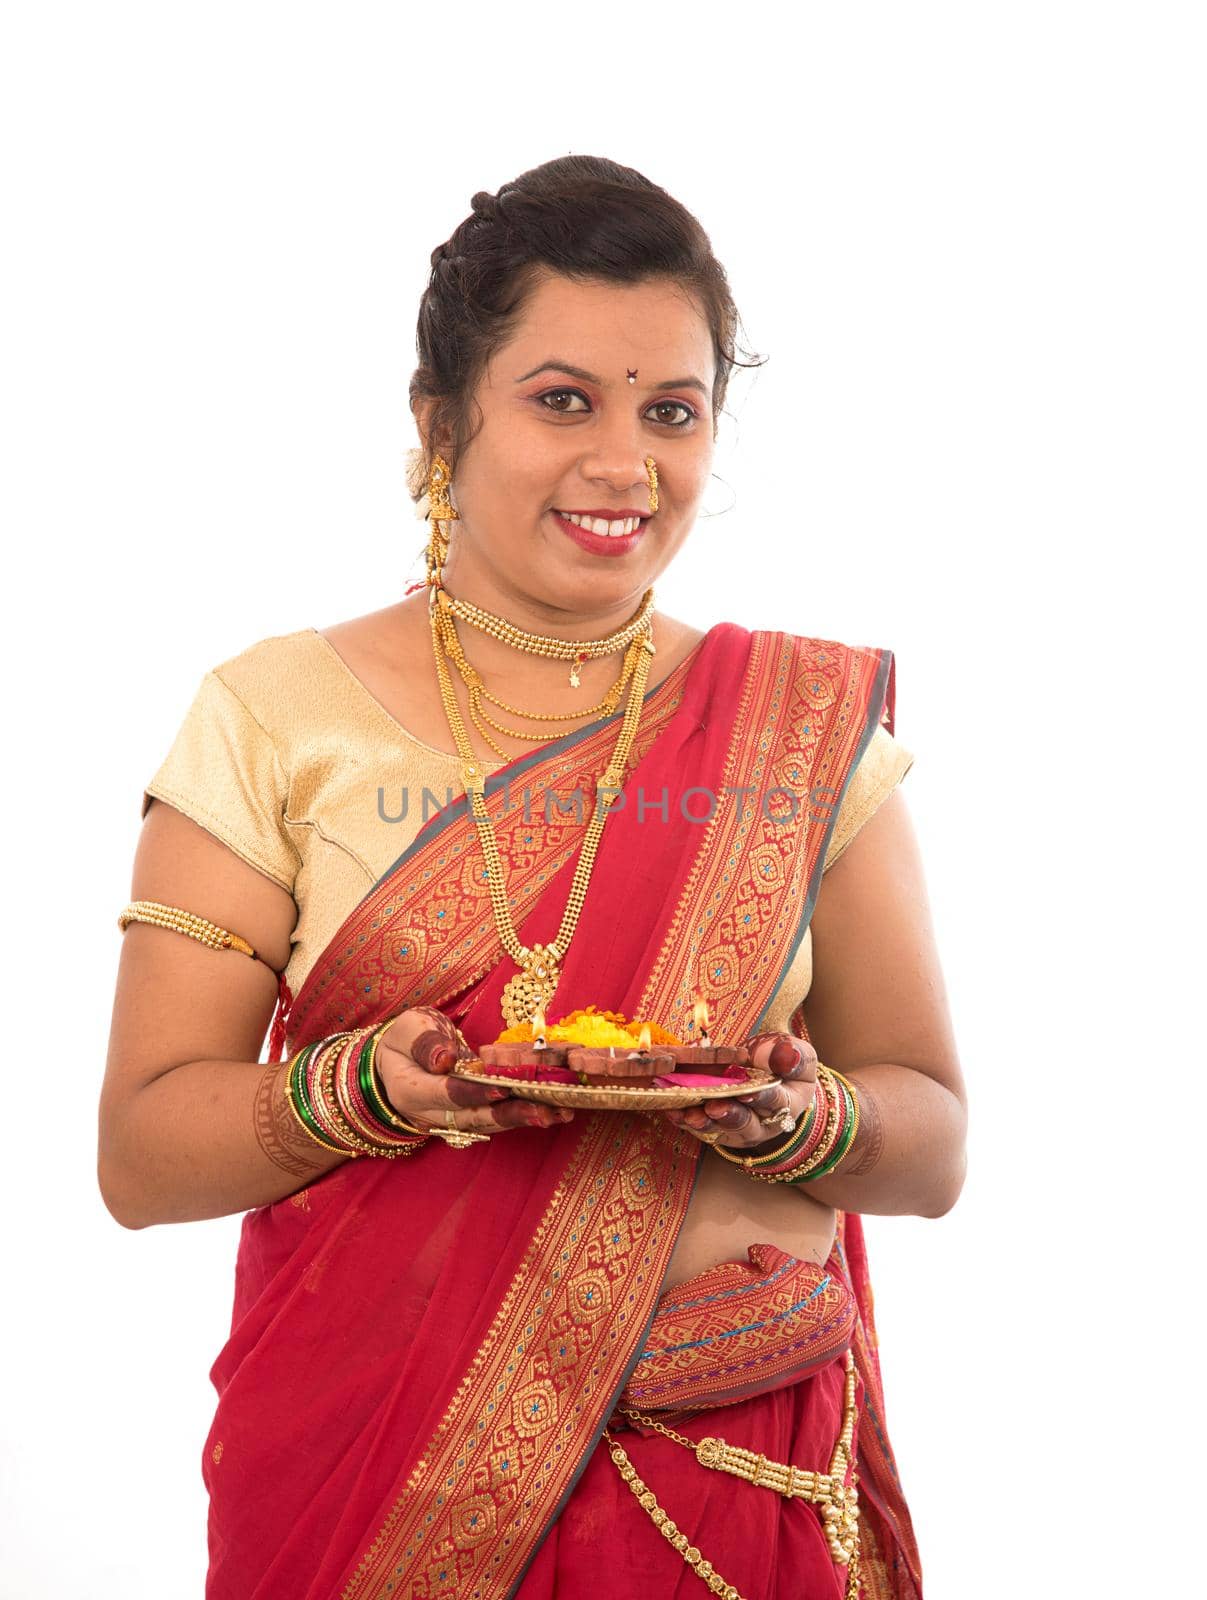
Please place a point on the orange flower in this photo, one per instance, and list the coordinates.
(590, 1026)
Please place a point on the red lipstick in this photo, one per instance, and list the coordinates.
(601, 544)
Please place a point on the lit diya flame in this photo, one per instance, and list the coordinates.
(644, 1041)
(700, 1018)
(538, 1029)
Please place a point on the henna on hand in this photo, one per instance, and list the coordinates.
(792, 1060)
(278, 1133)
(440, 1047)
(868, 1147)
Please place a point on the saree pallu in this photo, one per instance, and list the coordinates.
(424, 1353)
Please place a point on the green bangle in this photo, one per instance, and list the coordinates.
(846, 1138)
(295, 1084)
(373, 1089)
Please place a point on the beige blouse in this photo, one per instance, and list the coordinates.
(288, 759)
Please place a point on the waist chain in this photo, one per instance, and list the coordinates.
(838, 1500)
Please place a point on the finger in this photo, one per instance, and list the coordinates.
(507, 1113)
(526, 1114)
(789, 1058)
(729, 1115)
(431, 1039)
(767, 1102)
(462, 1092)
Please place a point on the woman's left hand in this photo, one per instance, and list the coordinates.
(767, 1116)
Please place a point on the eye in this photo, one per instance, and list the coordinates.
(560, 394)
(552, 398)
(675, 405)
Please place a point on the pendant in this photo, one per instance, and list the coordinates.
(575, 680)
(532, 987)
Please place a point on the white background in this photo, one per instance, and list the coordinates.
(970, 239)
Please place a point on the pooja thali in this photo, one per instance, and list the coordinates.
(652, 1096)
(662, 1097)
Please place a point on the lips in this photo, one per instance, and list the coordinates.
(600, 544)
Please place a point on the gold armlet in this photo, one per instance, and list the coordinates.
(193, 926)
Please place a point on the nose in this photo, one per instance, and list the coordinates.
(617, 459)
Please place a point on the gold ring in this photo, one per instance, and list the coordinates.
(783, 1121)
(458, 1138)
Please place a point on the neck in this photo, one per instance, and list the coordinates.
(581, 618)
(542, 682)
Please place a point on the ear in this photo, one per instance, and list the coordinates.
(425, 411)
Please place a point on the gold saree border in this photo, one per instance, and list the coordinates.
(557, 1353)
(803, 718)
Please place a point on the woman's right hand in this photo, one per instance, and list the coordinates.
(415, 1059)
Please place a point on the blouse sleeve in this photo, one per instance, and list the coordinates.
(224, 772)
(881, 768)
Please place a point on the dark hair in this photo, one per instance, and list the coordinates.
(582, 216)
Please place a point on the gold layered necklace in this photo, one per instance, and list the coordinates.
(573, 650)
(536, 982)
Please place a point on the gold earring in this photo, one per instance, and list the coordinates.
(439, 479)
(651, 472)
(440, 511)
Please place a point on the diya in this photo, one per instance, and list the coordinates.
(599, 1060)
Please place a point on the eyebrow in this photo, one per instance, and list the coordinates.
(553, 365)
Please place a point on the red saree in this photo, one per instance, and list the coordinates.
(424, 1353)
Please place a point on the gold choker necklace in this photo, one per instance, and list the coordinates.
(540, 644)
(477, 692)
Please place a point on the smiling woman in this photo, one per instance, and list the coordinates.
(487, 1368)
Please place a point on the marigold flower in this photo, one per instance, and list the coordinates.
(587, 1025)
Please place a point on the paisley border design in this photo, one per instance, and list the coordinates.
(803, 720)
(558, 1352)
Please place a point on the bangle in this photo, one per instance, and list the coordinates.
(786, 1156)
(845, 1122)
(383, 1137)
(376, 1121)
(320, 1094)
(336, 1111)
(817, 1144)
(298, 1100)
(815, 1129)
(373, 1089)
(846, 1136)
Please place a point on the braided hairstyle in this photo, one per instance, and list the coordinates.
(581, 216)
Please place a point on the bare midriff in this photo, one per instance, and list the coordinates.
(730, 1210)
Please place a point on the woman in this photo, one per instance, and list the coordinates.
(483, 1370)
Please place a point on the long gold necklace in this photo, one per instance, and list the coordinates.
(540, 966)
(477, 691)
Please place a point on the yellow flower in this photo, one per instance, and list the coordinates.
(589, 1026)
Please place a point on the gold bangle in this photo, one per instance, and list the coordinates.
(769, 1157)
(830, 1136)
(325, 1083)
(332, 1149)
(854, 1094)
(343, 1099)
